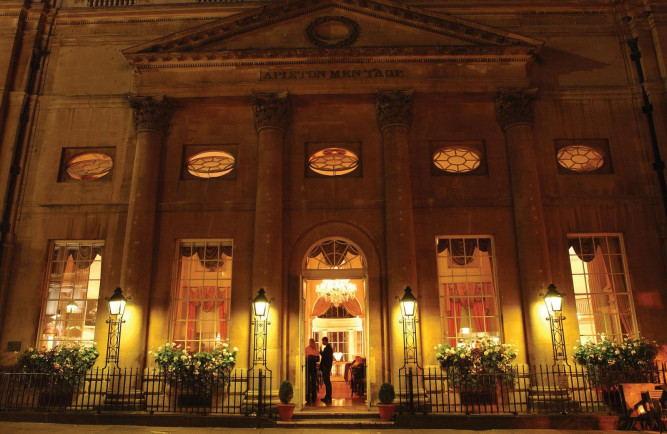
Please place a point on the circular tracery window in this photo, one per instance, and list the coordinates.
(333, 162)
(457, 159)
(88, 166)
(210, 164)
(580, 158)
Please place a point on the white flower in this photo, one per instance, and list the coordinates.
(235, 349)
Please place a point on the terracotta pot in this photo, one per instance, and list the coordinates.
(286, 411)
(386, 411)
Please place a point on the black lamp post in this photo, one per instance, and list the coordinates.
(406, 382)
(116, 310)
(260, 310)
(408, 303)
(554, 302)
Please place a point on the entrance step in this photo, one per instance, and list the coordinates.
(325, 415)
(337, 423)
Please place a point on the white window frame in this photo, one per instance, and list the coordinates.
(626, 276)
(173, 310)
(441, 298)
(40, 342)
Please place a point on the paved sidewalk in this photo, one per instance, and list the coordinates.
(54, 428)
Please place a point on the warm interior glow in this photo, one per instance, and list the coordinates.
(580, 158)
(333, 162)
(210, 164)
(89, 166)
(457, 159)
(72, 307)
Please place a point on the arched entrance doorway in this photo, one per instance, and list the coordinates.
(334, 304)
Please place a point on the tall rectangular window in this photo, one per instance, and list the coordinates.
(467, 288)
(203, 294)
(72, 291)
(601, 287)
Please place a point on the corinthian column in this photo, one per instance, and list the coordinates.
(514, 110)
(393, 111)
(272, 115)
(151, 119)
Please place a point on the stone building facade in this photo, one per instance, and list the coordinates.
(194, 152)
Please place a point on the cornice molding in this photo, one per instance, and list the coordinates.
(477, 54)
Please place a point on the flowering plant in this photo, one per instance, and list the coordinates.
(631, 354)
(610, 362)
(478, 366)
(68, 363)
(199, 369)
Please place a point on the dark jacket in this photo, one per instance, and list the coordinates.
(327, 358)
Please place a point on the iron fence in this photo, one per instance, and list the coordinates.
(525, 390)
(150, 390)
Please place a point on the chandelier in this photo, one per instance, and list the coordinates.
(336, 291)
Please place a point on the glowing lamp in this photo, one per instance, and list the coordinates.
(338, 356)
(260, 304)
(408, 303)
(553, 300)
(117, 303)
(71, 307)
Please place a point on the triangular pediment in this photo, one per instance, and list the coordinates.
(347, 30)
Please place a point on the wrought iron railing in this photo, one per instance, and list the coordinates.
(528, 389)
(151, 390)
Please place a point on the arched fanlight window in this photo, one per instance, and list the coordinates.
(334, 254)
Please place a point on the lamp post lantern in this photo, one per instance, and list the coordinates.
(117, 304)
(260, 310)
(554, 302)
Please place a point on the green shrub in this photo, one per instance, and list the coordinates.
(386, 394)
(286, 393)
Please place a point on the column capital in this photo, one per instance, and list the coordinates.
(515, 106)
(394, 108)
(271, 110)
(151, 113)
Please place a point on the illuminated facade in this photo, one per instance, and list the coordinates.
(194, 152)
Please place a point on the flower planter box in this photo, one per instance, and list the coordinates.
(53, 398)
(194, 400)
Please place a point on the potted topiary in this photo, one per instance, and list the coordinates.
(386, 405)
(286, 408)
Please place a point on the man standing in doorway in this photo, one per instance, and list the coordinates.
(325, 367)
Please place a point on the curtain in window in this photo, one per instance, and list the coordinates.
(462, 250)
(608, 291)
(475, 297)
(211, 257)
(208, 298)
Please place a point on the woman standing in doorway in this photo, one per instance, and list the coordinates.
(312, 357)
